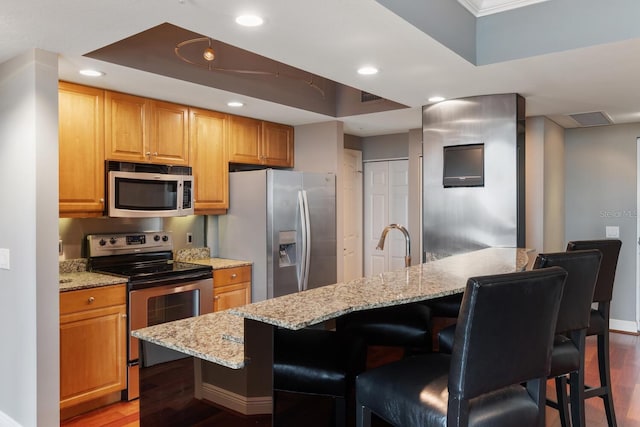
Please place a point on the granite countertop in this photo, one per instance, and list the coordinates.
(74, 274)
(215, 337)
(420, 282)
(218, 337)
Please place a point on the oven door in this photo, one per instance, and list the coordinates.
(161, 304)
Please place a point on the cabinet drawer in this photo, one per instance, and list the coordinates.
(89, 299)
(230, 276)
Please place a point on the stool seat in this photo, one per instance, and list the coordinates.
(407, 325)
(317, 362)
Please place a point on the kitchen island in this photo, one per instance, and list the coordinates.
(241, 338)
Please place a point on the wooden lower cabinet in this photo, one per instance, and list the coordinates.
(231, 287)
(92, 344)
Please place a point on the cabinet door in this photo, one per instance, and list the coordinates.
(244, 140)
(125, 127)
(208, 140)
(231, 287)
(277, 144)
(231, 296)
(92, 354)
(81, 150)
(169, 133)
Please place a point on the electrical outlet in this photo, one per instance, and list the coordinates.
(5, 256)
(189, 238)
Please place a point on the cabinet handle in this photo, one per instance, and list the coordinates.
(216, 298)
(234, 275)
(148, 154)
(101, 200)
(91, 300)
(123, 315)
(155, 154)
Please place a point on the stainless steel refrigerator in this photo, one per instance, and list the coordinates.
(285, 223)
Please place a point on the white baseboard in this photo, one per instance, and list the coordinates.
(623, 326)
(7, 421)
(236, 402)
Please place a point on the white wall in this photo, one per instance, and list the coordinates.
(29, 362)
(600, 188)
(320, 148)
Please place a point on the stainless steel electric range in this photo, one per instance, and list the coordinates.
(159, 290)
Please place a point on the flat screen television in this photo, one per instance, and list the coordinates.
(463, 166)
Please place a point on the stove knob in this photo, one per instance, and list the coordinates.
(165, 238)
(102, 242)
(112, 240)
(156, 238)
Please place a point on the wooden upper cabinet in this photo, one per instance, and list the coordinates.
(277, 144)
(81, 150)
(244, 140)
(257, 142)
(144, 130)
(169, 133)
(208, 141)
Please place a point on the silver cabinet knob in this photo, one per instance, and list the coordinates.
(91, 300)
(234, 275)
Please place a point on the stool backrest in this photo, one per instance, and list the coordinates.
(505, 331)
(610, 249)
(582, 268)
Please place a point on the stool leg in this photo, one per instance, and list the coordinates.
(563, 400)
(340, 411)
(605, 377)
(363, 416)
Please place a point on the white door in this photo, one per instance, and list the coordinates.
(386, 202)
(352, 215)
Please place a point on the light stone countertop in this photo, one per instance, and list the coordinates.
(220, 263)
(73, 274)
(86, 279)
(215, 337)
(218, 337)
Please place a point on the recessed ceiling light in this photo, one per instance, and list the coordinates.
(436, 99)
(367, 70)
(249, 20)
(235, 104)
(91, 73)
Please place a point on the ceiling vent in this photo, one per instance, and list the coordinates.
(368, 97)
(596, 118)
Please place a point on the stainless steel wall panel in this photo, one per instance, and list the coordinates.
(461, 219)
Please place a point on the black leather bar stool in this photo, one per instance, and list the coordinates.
(407, 326)
(504, 337)
(573, 319)
(567, 357)
(317, 362)
(599, 321)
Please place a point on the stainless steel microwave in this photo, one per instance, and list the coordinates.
(138, 190)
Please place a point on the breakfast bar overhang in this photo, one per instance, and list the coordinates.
(241, 339)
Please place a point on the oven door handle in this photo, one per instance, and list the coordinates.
(186, 277)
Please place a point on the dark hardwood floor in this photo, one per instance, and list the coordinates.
(625, 361)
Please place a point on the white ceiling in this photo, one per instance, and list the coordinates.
(331, 38)
(487, 7)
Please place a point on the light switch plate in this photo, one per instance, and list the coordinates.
(5, 262)
(612, 231)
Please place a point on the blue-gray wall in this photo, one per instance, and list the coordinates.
(600, 191)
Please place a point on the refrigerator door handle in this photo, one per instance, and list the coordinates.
(306, 241)
(303, 258)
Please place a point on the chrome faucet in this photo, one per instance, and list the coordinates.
(407, 240)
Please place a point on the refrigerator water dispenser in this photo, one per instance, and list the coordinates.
(287, 248)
